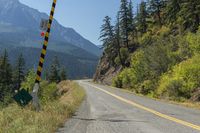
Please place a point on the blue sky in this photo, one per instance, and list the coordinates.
(85, 16)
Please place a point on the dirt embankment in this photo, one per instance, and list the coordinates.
(105, 71)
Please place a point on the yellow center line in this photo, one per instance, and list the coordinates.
(149, 110)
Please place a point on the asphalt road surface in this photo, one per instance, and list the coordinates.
(109, 110)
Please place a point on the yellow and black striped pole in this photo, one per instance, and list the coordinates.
(46, 39)
(42, 58)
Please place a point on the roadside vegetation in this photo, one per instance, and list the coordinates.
(58, 103)
(158, 49)
(59, 98)
(12, 76)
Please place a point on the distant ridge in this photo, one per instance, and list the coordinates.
(17, 18)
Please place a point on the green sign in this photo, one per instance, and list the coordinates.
(23, 97)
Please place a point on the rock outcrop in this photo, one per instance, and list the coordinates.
(105, 71)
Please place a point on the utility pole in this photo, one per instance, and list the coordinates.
(42, 59)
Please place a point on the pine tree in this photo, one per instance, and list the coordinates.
(47, 74)
(156, 10)
(135, 19)
(190, 13)
(118, 39)
(63, 75)
(54, 71)
(130, 17)
(142, 18)
(107, 37)
(19, 72)
(132, 29)
(5, 78)
(124, 22)
(172, 10)
(106, 34)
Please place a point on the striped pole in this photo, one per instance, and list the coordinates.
(42, 58)
(46, 39)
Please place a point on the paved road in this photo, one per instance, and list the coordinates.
(108, 110)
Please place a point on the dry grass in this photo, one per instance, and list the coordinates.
(15, 119)
(189, 104)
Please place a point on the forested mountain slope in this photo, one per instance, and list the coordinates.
(76, 67)
(155, 52)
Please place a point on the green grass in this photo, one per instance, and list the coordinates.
(14, 119)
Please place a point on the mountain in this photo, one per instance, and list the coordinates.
(20, 33)
(21, 23)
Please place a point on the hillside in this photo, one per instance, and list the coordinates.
(154, 53)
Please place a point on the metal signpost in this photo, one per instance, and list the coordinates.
(42, 57)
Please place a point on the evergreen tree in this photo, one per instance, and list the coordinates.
(130, 17)
(132, 29)
(54, 71)
(135, 20)
(63, 75)
(142, 18)
(19, 72)
(124, 22)
(156, 10)
(107, 37)
(47, 74)
(118, 39)
(107, 34)
(172, 10)
(5, 78)
(190, 13)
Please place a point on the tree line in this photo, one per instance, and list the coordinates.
(122, 37)
(12, 76)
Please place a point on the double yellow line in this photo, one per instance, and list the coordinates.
(46, 39)
(149, 110)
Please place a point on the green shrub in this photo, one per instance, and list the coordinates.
(124, 55)
(159, 53)
(48, 91)
(147, 64)
(29, 80)
(126, 79)
(182, 80)
(117, 61)
(147, 87)
(194, 41)
(138, 66)
(146, 39)
(117, 81)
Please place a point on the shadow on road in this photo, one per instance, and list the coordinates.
(108, 120)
